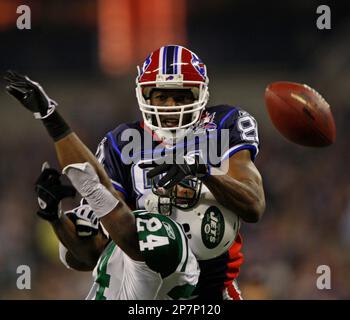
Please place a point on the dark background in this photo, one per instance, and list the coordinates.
(88, 66)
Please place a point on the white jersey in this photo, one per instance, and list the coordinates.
(170, 270)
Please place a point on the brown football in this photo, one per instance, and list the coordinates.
(300, 114)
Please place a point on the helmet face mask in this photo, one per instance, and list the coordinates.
(169, 103)
(172, 68)
(184, 195)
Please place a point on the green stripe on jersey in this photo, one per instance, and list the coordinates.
(103, 278)
(183, 263)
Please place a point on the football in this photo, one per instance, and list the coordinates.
(300, 114)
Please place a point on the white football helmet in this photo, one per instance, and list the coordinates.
(210, 227)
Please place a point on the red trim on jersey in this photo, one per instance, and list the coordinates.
(150, 131)
(233, 292)
(235, 260)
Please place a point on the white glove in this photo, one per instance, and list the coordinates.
(86, 181)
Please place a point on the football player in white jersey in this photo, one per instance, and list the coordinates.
(147, 258)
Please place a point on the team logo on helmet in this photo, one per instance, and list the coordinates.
(145, 65)
(198, 65)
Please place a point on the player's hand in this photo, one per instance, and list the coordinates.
(30, 94)
(50, 192)
(192, 166)
(85, 220)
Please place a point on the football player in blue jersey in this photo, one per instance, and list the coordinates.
(172, 93)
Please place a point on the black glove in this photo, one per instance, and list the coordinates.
(192, 166)
(30, 94)
(50, 192)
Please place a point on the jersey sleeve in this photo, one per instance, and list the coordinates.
(242, 132)
(162, 243)
(108, 154)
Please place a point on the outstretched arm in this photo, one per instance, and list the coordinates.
(68, 146)
(70, 149)
(114, 214)
(241, 188)
(120, 222)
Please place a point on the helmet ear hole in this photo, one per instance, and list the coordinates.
(186, 227)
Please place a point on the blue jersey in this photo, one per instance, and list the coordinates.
(121, 164)
(120, 157)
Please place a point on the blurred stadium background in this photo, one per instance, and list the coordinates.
(84, 52)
